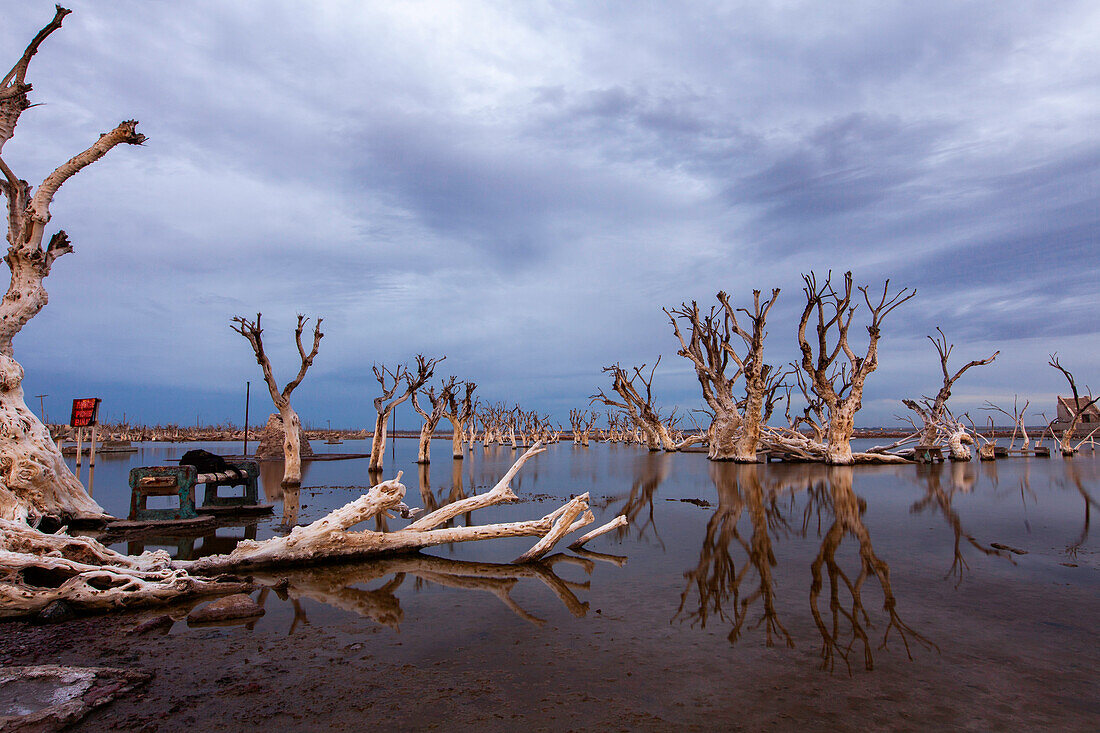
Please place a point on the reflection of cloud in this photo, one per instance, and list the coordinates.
(523, 189)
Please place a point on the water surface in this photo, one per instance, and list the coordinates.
(962, 594)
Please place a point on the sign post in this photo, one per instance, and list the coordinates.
(85, 414)
(247, 386)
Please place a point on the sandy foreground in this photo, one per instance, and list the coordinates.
(346, 674)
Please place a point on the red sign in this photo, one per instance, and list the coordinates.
(85, 412)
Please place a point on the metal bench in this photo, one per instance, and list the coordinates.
(928, 454)
(181, 481)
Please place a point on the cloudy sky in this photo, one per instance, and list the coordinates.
(523, 186)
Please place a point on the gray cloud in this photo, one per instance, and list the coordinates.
(523, 187)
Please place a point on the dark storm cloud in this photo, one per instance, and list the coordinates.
(522, 187)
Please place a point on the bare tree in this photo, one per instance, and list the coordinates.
(640, 408)
(734, 432)
(438, 404)
(933, 412)
(34, 481)
(1018, 420)
(838, 385)
(459, 414)
(292, 426)
(385, 404)
(1076, 409)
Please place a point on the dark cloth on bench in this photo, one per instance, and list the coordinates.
(207, 462)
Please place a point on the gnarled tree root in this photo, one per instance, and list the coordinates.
(37, 569)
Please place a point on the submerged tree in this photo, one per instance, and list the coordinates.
(934, 415)
(640, 408)
(438, 404)
(292, 426)
(460, 413)
(34, 481)
(387, 402)
(734, 432)
(1076, 409)
(838, 385)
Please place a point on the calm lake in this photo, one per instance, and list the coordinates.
(957, 595)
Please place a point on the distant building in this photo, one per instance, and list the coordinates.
(1090, 418)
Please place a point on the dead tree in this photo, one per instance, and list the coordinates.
(90, 576)
(34, 481)
(838, 386)
(935, 417)
(1076, 409)
(640, 409)
(576, 423)
(292, 426)
(459, 414)
(384, 405)
(431, 418)
(1018, 420)
(734, 431)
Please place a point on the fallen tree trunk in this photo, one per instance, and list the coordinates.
(331, 538)
(37, 569)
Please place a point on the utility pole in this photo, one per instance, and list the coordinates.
(247, 386)
(42, 407)
(393, 432)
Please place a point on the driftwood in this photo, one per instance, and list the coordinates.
(332, 537)
(37, 569)
(619, 521)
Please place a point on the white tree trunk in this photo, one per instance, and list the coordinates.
(456, 440)
(424, 446)
(958, 441)
(838, 436)
(292, 447)
(378, 445)
(34, 480)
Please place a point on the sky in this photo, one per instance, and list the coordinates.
(522, 187)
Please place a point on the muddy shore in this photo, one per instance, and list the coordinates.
(348, 676)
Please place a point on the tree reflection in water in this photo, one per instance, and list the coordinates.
(1073, 474)
(939, 499)
(341, 586)
(847, 510)
(715, 579)
(832, 509)
(652, 470)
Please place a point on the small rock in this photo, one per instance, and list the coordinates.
(55, 613)
(226, 609)
(157, 623)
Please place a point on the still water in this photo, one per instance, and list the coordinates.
(949, 590)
